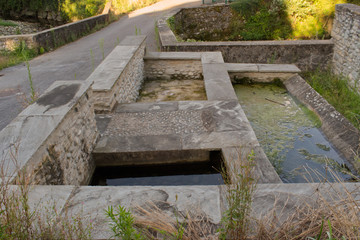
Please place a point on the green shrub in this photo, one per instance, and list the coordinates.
(264, 20)
(74, 10)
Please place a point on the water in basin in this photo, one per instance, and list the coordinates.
(289, 135)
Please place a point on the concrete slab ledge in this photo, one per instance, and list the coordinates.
(172, 56)
(23, 139)
(262, 68)
(90, 202)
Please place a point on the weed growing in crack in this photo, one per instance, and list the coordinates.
(122, 224)
(101, 44)
(240, 187)
(92, 60)
(33, 94)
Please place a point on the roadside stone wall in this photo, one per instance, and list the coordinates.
(305, 54)
(173, 69)
(54, 37)
(51, 140)
(346, 36)
(119, 77)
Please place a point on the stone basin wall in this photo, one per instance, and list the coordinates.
(51, 141)
(162, 69)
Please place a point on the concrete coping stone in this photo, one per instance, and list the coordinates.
(133, 40)
(173, 56)
(262, 68)
(20, 140)
(109, 71)
(212, 57)
(252, 43)
(58, 99)
(22, 36)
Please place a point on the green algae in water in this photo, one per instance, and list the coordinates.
(287, 133)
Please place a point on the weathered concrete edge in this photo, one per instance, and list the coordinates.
(14, 137)
(106, 67)
(341, 133)
(47, 37)
(70, 199)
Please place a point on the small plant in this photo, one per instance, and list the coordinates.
(137, 31)
(122, 223)
(33, 95)
(101, 44)
(240, 188)
(92, 60)
(157, 38)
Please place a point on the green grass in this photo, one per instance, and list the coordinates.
(11, 58)
(7, 23)
(337, 92)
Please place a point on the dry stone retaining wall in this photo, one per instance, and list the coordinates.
(346, 36)
(173, 69)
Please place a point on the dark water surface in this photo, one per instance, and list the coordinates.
(162, 175)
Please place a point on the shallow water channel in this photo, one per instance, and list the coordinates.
(289, 134)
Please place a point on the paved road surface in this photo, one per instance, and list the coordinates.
(73, 61)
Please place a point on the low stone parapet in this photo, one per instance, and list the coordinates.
(51, 140)
(119, 77)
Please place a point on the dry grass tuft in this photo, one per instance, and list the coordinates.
(19, 219)
(332, 210)
(158, 224)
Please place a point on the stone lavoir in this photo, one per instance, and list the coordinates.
(83, 123)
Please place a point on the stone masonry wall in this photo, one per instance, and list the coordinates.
(346, 37)
(119, 77)
(305, 54)
(54, 37)
(131, 79)
(66, 156)
(173, 69)
(52, 139)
